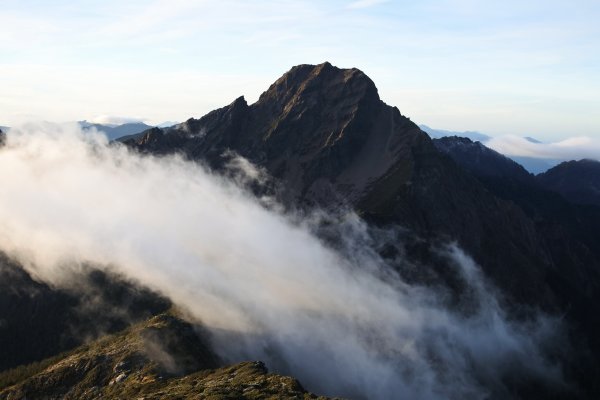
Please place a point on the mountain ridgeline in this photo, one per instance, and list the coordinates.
(116, 131)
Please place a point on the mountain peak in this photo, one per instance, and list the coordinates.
(320, 80)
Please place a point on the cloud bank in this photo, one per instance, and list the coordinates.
(114, 120)
(573, 148)
(265, 286)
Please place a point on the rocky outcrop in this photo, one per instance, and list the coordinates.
(162, 358)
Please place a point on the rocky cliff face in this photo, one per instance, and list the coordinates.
(308, 129)
(577, 181)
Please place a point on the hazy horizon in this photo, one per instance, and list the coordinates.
(503, 69)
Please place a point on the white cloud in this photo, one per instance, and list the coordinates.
(366, 3)
(262, 282)
(114, 120)
(573, 148)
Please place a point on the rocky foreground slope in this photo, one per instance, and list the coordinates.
(162, 358)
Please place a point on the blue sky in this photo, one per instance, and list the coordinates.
(524, 68)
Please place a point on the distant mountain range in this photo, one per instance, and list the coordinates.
(439, 133)
(577, 181)
(116, 131)
(536, 165)
(112, 131)
(532, 164)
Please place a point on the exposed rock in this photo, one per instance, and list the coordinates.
(116, 131)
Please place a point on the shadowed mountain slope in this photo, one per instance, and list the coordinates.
(577, 181)
(570, 230)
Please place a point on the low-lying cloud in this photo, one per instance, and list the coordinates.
(574, 148)
(114, 120)
(261, 281)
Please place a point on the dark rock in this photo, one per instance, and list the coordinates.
(577, 181)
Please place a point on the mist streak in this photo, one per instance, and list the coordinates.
(251, 273)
